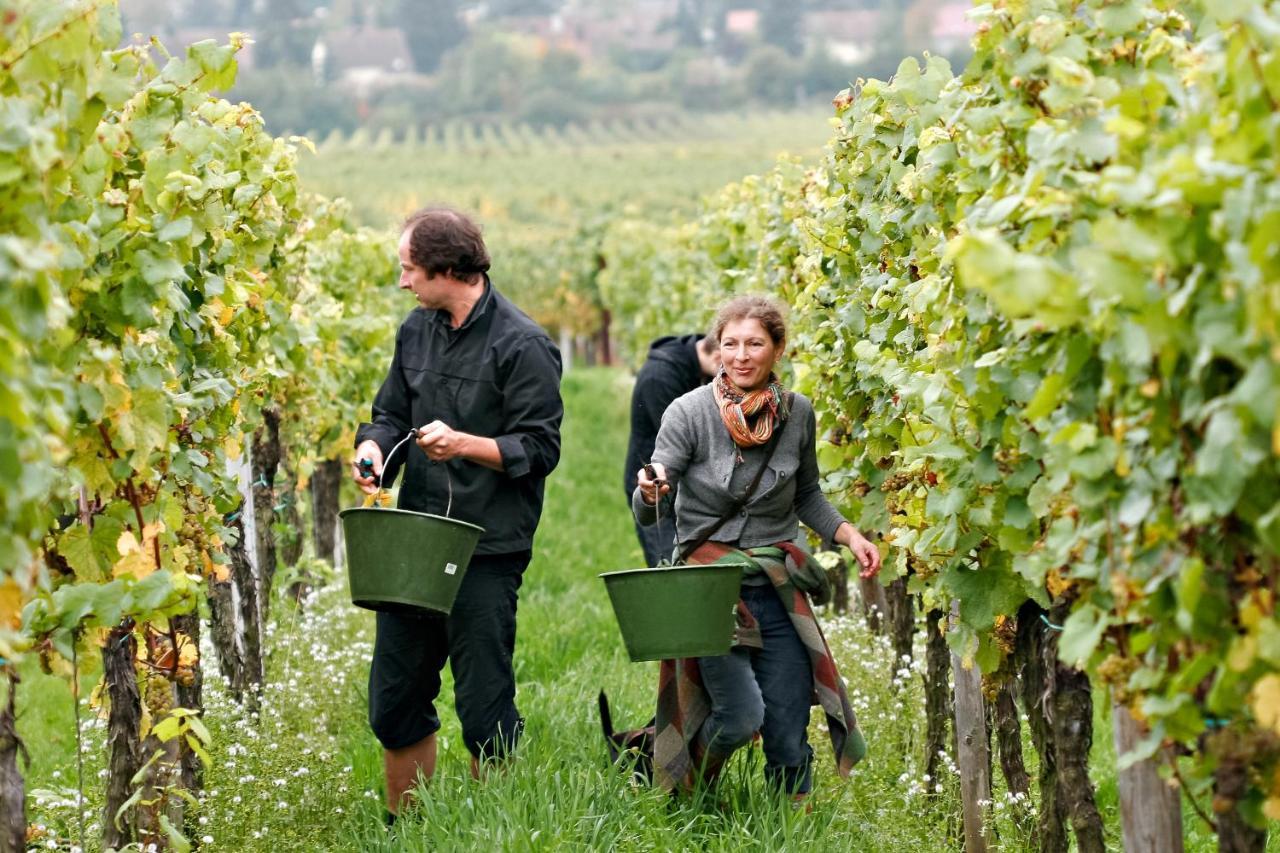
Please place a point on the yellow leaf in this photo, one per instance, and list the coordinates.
(217, 572)
(127, 544)
(226, 315)
(1275, 440)
(137, 559)
(1056, 583)
(189, 653)
(1271, 808)
(98, 697)
(1250, 614)
(1265, 701)
(1150, 388)
(1122, 464)
(1244, 650)
(138, 564)
(10, 605)
(96, 637)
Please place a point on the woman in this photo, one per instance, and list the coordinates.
(743, 435)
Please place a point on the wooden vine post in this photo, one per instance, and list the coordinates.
(974, 748)
(1150, 810)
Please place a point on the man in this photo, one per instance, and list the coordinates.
(481, 382)
(674, 367)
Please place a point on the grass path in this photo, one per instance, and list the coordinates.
(306, 773)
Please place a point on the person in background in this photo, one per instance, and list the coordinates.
(742, 452)
(481, 383)
(674, 367)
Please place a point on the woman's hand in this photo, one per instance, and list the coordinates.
(653, 485)
(867, 554)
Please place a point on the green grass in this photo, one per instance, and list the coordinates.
(306, 774)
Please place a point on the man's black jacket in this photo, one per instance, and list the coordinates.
(670, 370)
(498, 376)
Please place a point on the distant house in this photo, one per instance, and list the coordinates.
(364, 57)
(847, 35)
(628, 29)
(743, 23)
(939, 26)
(952, 28)
(592, 33)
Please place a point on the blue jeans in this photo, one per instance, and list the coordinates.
(769, 690)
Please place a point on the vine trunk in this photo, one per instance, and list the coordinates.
(326, 482)
(266, 462)
(13, 810)
(124, 747)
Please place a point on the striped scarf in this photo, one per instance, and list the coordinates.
(751, 417)
(683, 703)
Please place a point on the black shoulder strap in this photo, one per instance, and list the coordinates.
(739, 503)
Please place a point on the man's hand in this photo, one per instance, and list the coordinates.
(370, 450)
(442, 442)
(653, 485)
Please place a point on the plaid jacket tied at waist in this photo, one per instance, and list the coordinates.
(683, 703)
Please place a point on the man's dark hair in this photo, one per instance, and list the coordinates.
(707, 345)
(443, 240)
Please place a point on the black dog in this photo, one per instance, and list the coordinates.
(630, 749)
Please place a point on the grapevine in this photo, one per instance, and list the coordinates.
(1050, 281)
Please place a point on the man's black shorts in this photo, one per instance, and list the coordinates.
(478, 639)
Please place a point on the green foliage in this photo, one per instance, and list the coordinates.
(1036, 307)
(165, 280)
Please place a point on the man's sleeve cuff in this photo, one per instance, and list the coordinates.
(515, 461)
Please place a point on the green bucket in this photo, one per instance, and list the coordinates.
(676, 612)
(399, 560)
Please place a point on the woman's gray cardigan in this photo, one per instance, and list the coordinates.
(701, 459)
